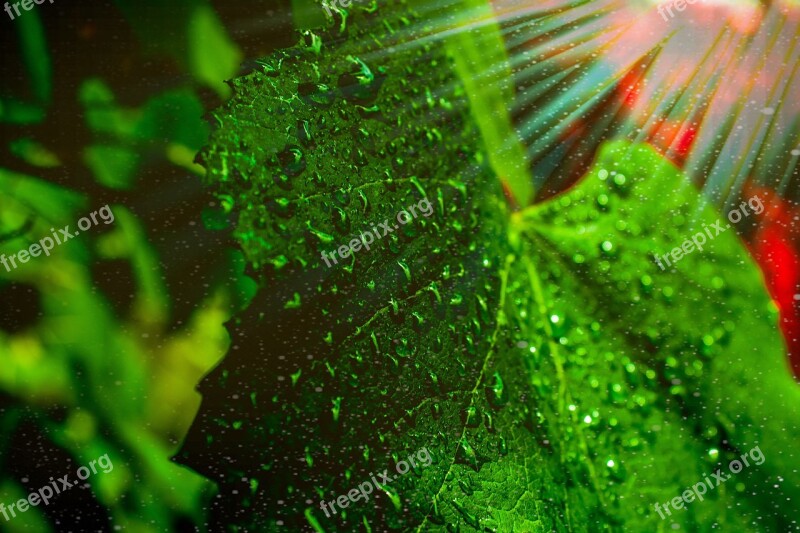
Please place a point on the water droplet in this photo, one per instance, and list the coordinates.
(472, 417)
(292, 160)
(502, 447)
(404, 348)
(316, 94)
(436, 515)
(469, 518)
(304, 133)
(294, 303)
(466, 454)
(616, 469)
(496, 393)
(393, 495)
(336, 409)
(340, 220)
(342, 197)
(617, 393)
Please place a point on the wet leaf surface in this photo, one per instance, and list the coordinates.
(559, 379)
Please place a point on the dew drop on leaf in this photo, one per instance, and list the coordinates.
(496, 392)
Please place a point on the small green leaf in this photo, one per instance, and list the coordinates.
(103, 114)
(113, 166)
(36, 56)
(34, 153)
(213, 56)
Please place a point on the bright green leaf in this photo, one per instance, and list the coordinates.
(213, 57)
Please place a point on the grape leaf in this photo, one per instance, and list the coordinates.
(558, 378)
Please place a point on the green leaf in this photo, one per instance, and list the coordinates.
(213, 56)
(174, 116)
(103, 114)
(36, 56)
(36, 60)
(188, 31)
(13, 111)
(559, 379)
(113, 166)
(170, 123)
(307, 14)
(28, 196)
(33, 153)
(76, 328)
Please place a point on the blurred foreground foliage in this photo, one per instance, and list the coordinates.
(103, 342)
